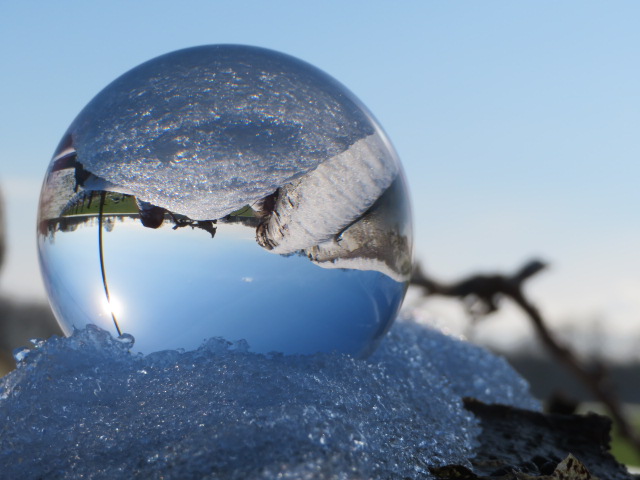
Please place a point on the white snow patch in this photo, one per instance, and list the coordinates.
(84, 407)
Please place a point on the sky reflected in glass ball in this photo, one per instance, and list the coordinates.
(227, 191)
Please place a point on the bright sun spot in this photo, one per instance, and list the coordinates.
(113, 307)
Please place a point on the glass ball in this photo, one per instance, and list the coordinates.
(227, 191)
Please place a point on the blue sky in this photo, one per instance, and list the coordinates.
(517, 122)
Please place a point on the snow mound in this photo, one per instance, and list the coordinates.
(85, 407)
(206, 130)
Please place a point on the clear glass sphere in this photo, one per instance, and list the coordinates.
(227, 191)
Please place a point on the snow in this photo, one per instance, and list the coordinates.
(85, 407)
(207, 130)
(311, 209)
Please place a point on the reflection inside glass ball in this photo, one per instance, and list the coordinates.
(227, 191)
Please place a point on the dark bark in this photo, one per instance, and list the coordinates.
(521, 444)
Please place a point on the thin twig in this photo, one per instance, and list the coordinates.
(484, 292)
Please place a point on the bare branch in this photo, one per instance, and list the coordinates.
(487, 290)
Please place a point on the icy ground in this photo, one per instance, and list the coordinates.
(84, 407)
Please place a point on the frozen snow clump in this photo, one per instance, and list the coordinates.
(85, 407)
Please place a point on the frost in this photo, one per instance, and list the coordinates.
(236, 121)
(85, 407)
